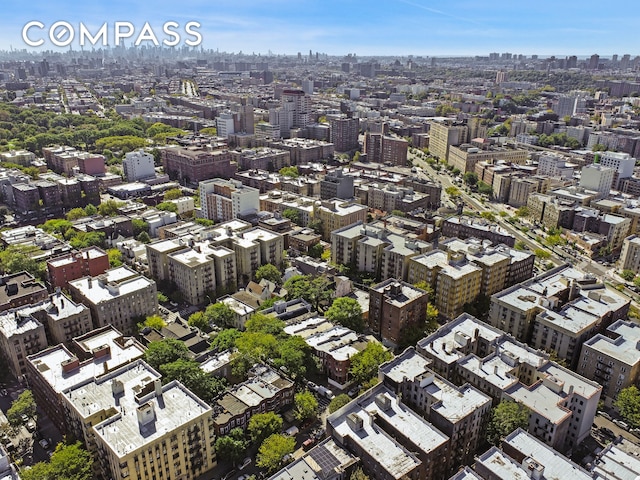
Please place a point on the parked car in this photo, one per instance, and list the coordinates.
(44, 443)
(635, 431)
(607, 432)
(621, 424)
(604, 415)
(308, 444)
(31, 426)
(245, 463)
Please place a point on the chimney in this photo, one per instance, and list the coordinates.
(157, 387)
(70, 364)
(117, 387)
(146, 414)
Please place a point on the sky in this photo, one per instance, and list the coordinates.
(366, 28)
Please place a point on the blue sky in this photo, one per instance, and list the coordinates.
(392, 27)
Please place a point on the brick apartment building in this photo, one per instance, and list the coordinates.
(90, 261)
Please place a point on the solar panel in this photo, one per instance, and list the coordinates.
(324, 458)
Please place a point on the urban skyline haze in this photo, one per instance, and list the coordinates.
(400, 27)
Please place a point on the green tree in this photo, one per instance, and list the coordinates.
(57, 226)
(314, 290)
(90, 210)
(164, 351)
(489, 216)
(219, 314)
(628, 404)
(273, 450)
(627, 275)
(470, 178)
(115, 257)
(398, 213)
(198, 320)
(261, 323)
(154, 321)
(523, 211)
(143, 237)
(18, 258)
(139, 226)
(189, 373)
(269, 272)
(452, 191)
(485, 188)
(506, 417)
(167, 207)
(541, 253)
(232, 447)
(79, 240)
(520, 245)
(109, 208)
(364, 364)
(68, 462)
(316, 225)
(294, 356)
(347, 312)
(257, 346)
(338, 402)
(75, 214)
(358, 474)
(636, 281)
(226, 339)
(292, 215)
(291, 172)
(316, 251)
(263, 425)
(305, 405)
(23, 405)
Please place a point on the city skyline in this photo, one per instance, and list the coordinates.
(399, 28)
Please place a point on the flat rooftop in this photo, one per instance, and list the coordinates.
(49, 362)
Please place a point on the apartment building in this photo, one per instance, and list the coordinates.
(442, 136)
(465, 227)
(279, 201)
(376, 248)
(465, 157)
(380, 148)
(388, 198)
(335, 214)
(63, 319)
(524, 456)
(54, 370)
(612, 359)
(393, 306)
(551, 211)
(325, 461)
(138, 165)
(553, 165)
(192, 165)
(344, 133)
(336, 185)
(117, 297)
(557, 311)
(561, 403)
(496, 273)
(21, 334)
(454, 280)
(264, 158)
(18, 289)
(193, 274)
(621, 162)
(224, 200)
(630, 254)
(266, 390)
(18, 157)
(391, 440)
(598, 178)
(461, 413)
(91, 261)
(141, 428)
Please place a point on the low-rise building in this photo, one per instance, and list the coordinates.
(265, 391)
(630, 254)
(19, 289)
(465, 227)
(91, 261)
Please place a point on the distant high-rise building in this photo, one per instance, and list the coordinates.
(225, 124)
(344, 133)
(594, 60)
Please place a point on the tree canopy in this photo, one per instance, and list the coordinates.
(338, 402)
(305, 405)
(347, 312)
(68, 462)
(232, 447)
(226, 339)
(263, 425)
(314, 290)
(364, 364)
(273, 450)
(189, 373)
(269, 272)
(628, 404)
(506, 417)
(165, 351)
(23, 405)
